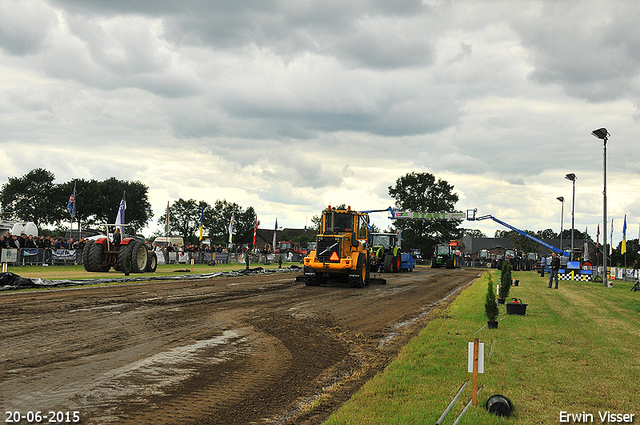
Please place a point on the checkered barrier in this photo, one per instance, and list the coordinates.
(576, 276)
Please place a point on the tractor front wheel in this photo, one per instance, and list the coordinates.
(152, 262)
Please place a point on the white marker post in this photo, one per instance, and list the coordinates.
(475, 366)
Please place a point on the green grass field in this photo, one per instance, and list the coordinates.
(577, 350)
(75, 272)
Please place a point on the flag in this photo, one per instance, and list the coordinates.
(166, 220)
(275, 229)
(231, 229)
(71, 205)
(586, 245)
(598, 237)
(623, 247)
(611, 239)
(201, 218)
(123, 206)
(255, 230)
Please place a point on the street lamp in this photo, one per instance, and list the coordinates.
(573, 178)
(561, 199)
(603, 135)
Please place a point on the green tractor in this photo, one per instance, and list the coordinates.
(446, 255)
(385, 252)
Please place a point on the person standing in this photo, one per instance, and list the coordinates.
(543, 264)
(555, 266)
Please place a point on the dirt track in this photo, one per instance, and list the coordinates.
(247, 350)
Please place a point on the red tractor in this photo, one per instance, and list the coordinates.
(118, 248)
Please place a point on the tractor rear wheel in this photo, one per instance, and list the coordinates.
(137, 252)
(388, 263)
(96, 258)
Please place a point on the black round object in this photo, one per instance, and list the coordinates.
(499, 405)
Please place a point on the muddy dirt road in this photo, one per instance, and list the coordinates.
(245, 350)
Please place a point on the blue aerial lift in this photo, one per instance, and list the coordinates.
(471, 216)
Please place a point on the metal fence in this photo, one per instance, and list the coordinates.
(40, 257)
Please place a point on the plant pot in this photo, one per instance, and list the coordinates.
(517, 308)
(126, 273)
(500, 300)
(499, 405)
(492, 324)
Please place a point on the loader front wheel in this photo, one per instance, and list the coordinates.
(359, 280)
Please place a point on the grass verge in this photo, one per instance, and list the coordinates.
(577, 350)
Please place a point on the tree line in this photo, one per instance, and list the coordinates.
(35, 197)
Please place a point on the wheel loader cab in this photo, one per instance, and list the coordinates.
(345, 221)
(338, 222)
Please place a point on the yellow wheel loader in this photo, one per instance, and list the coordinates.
(341, 252)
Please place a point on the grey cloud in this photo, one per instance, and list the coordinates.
(593, 55)
(25, 26)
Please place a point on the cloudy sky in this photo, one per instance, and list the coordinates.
(289, 106)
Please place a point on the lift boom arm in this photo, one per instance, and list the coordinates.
(472, 217)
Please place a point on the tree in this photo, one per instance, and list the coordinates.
(546, 234)
(421, 192)
(29, 198)
(184, 218)
(139, 210)
(97, 202)
(474, 233)
(218, 217)
(316, 222)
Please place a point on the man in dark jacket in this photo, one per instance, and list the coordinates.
(555, 266)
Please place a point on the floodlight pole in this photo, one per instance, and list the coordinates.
(604, 211)
(572, 177)
(603, 134)
(561, 199)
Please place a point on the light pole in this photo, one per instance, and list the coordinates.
(603, 135)
(561, 199)
(573, 178)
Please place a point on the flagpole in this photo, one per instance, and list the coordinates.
(623, 246)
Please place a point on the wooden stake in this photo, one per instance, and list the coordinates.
(474, 395)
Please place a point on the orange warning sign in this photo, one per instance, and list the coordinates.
(334, 257)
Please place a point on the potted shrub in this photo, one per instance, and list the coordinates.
(505, 282)
(516, 306)
(127, 264)
(490, 306)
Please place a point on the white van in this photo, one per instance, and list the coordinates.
(173, 240)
